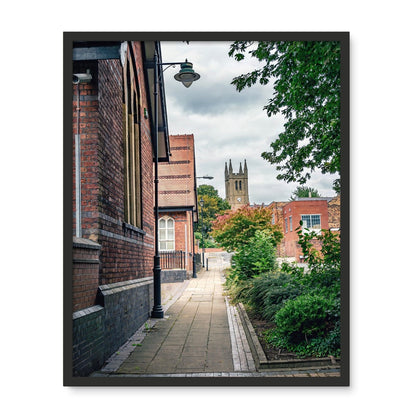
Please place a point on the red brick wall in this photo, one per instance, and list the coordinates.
(277, 218)
(127, 252)
(334, 212)
(295, 209)
(89, 139)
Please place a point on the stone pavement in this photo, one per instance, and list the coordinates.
(200, 335)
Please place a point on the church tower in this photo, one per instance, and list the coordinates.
(236, 186)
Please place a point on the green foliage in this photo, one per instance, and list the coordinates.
(234, 229)
(304, 192)
(306, 80)
(307, 316)
(329, 256)
(213, 205)
(256, 257)
(270, 291)
(308, 325)
(237, 289)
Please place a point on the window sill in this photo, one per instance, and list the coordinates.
(130, 227)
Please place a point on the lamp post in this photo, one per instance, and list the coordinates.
(186, 75)
(194, 259)
(201, 202)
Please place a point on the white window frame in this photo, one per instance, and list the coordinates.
(312, 227)
(166, 239)
(286, 225)
(290, 223)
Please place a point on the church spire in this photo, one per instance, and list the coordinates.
(231, 168)
(240, 172)
(245, 166)
(226, 170)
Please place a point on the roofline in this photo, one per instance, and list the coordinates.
(177, 208)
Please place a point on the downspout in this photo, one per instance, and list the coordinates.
(78, 229)
(76, 80)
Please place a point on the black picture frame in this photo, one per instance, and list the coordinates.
(69, 379)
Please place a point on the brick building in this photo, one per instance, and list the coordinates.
(113, 203)
(177, 206)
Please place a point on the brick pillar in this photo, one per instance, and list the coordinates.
(85, 272)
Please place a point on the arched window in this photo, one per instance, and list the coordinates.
(236, 185)
(166, 234)
(240, 185)
(131, 128)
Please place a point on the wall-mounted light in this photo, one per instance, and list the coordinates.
(82, 78)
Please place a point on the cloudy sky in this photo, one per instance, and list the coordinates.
(227, 124)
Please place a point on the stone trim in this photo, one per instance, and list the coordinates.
(120, 286)
(85, 243)
(86, 261)
(86, 311)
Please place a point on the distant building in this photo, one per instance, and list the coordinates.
(177, 207)
(315, 213)
(236, 186)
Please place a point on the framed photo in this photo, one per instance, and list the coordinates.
(206, 185)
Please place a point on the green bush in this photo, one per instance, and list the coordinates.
(237, 289)
(269, 292)
(256, 257)
(308, 324)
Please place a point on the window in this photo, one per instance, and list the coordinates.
(240, 185)
(285, 224)
(290, 224)
(131, 106)
(312, 222)
(166, 234)
(236, 185)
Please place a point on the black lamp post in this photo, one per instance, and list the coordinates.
(186, 75)
(201, 202)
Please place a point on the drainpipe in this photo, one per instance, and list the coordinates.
(76, 80)
(78, 229)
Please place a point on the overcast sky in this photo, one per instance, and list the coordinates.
(227, 124)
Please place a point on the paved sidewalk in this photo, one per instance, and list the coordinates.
(193, 337)
(201, 335)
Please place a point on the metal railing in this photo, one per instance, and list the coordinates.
(172, 260)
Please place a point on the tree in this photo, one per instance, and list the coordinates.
(234, 229)
(307, 93)
(213, 205)
(304, 192)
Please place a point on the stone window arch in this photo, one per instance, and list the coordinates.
(166, 234)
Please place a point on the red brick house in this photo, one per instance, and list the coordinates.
(315, 213)
(113, 194)
(177, 206)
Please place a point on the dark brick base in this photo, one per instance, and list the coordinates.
(100, 330)
(127, 306)
(172, 276)
(88, 340)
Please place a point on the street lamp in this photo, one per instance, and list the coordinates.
(201, 202)
(186, 75)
